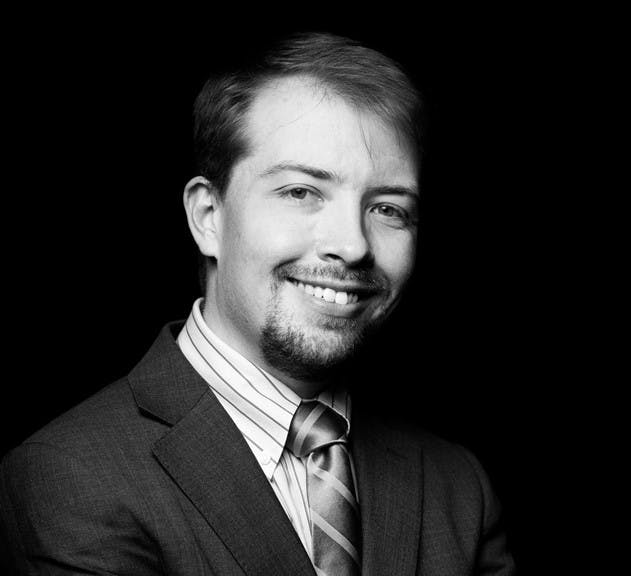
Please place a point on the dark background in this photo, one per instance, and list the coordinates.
(98, 254)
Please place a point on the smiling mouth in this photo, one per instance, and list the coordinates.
(327, 294)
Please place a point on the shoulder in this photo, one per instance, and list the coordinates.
(111, 421)
(82, 482)
(453, 478)
(108, 419)
(110, 402)
(450, 471)
(94, 439)
(446, 458)
(460, 510)
(79, 484)
(110, 435)
(443, 459)
(105, 436)
(458, 492)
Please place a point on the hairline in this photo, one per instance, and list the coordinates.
(329, 90)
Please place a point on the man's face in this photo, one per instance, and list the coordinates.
(316, 233)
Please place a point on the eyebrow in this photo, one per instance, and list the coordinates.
(321, 174)
(317, 173)
(394, 190)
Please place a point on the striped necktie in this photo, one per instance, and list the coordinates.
(319, 433)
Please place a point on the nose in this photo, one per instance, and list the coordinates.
(342, 236)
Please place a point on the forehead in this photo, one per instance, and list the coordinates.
(298, 120)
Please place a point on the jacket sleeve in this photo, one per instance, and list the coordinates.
(59, 516)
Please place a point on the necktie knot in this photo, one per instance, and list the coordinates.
(315, 426)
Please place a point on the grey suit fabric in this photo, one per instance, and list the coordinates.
(151, 476)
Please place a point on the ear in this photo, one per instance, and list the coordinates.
(201, 203)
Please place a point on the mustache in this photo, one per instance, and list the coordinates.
(371, 279)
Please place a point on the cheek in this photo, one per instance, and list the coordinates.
(261, 240)
(273, 235)
(396, 259)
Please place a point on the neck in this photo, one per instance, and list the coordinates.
(305, 388)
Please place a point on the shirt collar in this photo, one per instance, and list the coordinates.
(260, 405)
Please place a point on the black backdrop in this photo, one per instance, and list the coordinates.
(98, 255)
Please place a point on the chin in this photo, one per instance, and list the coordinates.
(311, 353)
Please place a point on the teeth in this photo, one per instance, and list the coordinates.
(341, 298)
(328, 294)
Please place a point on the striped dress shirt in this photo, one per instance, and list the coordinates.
(262, 408)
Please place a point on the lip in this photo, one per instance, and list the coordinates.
(331, 308)
(362, 290)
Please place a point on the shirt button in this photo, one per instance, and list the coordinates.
(265, 459)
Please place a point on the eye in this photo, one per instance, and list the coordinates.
(298, 193)
(390, 211)
(393, 215)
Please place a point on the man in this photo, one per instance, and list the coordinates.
(233, 447)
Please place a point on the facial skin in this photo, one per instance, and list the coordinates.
(327, 198)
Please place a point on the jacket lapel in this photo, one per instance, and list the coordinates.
(206, 456)
(388, 466)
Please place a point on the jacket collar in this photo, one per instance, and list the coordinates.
(209, 460)
(163, 383)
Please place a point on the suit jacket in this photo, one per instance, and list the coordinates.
(151, 476)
